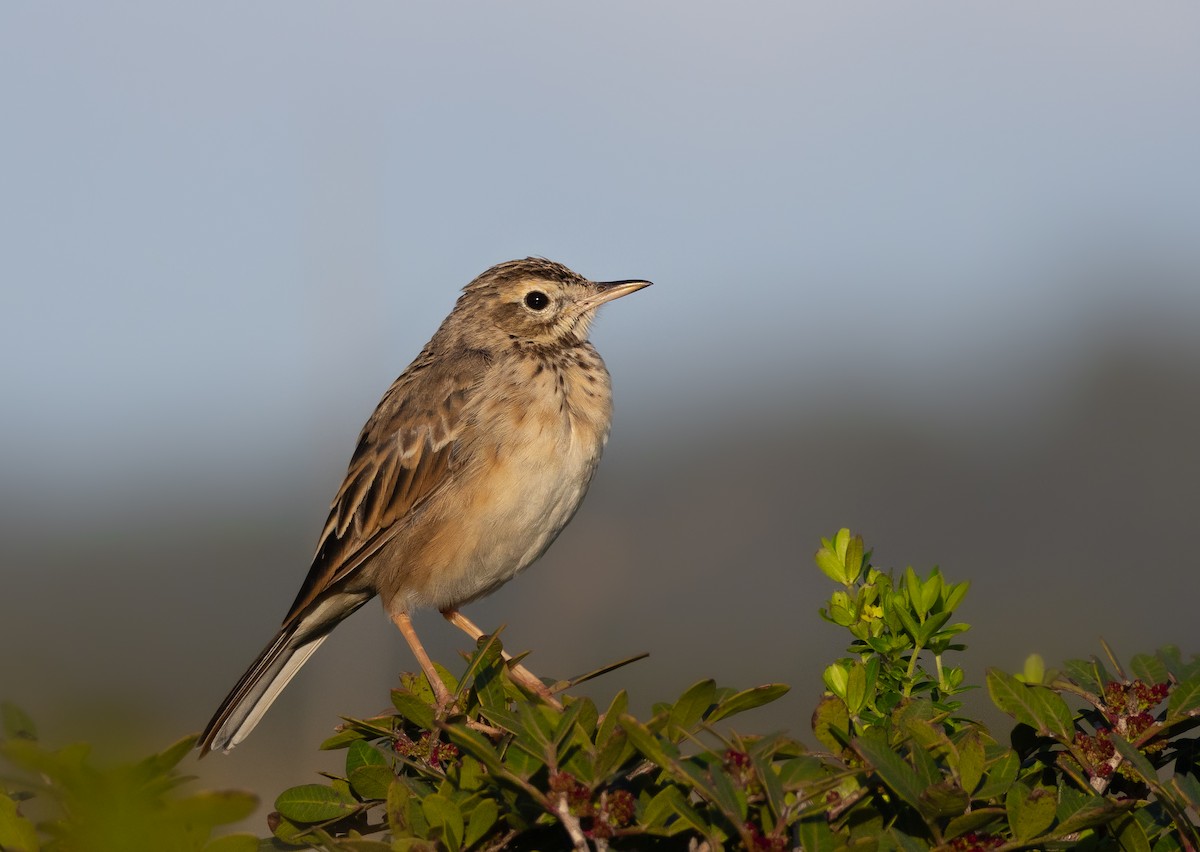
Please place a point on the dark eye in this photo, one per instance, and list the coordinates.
(536, 300)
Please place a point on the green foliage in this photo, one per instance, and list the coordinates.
(127, 808)
(1100, 758)
(902, 770)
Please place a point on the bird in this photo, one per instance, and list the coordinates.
(473, 462)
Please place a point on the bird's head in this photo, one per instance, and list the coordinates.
(537, 301)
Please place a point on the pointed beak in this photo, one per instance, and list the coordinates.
(606, 291)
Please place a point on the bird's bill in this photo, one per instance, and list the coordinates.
(609, 290)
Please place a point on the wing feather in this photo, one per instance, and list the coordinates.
(404, 455)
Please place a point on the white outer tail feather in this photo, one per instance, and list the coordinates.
(275, 667)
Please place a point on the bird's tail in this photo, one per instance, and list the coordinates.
(278, 663)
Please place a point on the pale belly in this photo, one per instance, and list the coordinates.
(523, 480)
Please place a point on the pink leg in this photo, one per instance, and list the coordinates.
(403, 622)
(520, 674)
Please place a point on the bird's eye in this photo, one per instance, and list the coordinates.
(536, 300)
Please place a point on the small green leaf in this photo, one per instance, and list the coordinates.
(837, 679)
(729, 797)
(1034, 671)
(747, 699)
(816, 835)
(362, 753)
(943, 799)
(1036, 706)
(313, 803)
(973, 821)
(1148, 668)
(831, 723)
(648, 744)
(954, 595)
(890, 767)
(612, 716)
(1130, 835)
(853, 559)
(413, 708)
(483, 816)
(371, 781)
(912, 585)
(692, 705)
(1184, 700)
(1086, 675)
(833, 567)
(1089, 812)
(1030, 810)
(999, 776)
(1136, 760)
(969, 760)
(768, 777)
(444, 815)
(856, 688)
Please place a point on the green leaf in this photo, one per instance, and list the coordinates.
(479, 747)
(288, 831)
(1136, 760)
(816, 835)
(1036, 706)
(483, 816)
(371, 781)
(668, 802)
(969, 760)
(973, 821)
(747, 699)
(15, 723)
(831, 723)
(1030, 810)
(943, 799)
(999, 777)
(890, 767)
(1148, 668)
(692, 705)
(446, 817)
(856, 688)
(362, 753)
(313, 803)
(413, 708)
(16, 833)
(1184, 700)
(954, 595)
(1131, 836)
(612, 716)
(829, 563)
(729, 797)
(1089, 812)
(1086, 674)
(912, 585)
(853, 558)
(1034, 671)
(837, 679)
(648, 744)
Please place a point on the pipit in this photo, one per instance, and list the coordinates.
(473, 462)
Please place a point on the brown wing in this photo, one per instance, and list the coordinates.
(404, 454)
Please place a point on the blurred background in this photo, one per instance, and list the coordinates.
(931, 272)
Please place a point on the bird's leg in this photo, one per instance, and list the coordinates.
(403, 622)
(527, 678)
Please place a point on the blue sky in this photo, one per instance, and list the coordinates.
(221, 217)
